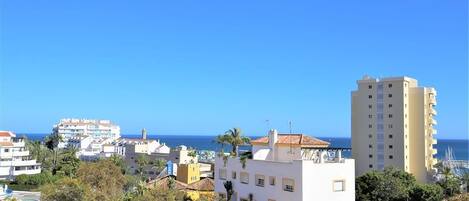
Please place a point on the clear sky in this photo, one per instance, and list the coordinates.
(202, 67)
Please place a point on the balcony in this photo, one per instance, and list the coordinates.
(433, 121)
(433, 111)
(432, 131)
(432, 100)
(29, 171)
(24, 163)
(434, 151)
(434, 141)
(18, 144)
(20, 153)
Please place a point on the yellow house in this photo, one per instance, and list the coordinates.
(201, 189)
(188, 173)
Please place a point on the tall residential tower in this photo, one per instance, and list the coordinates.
(392, 125)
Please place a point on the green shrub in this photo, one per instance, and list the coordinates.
(427, 192)
(35, 179)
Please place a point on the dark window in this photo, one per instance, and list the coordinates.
(370, 166)
(390, 105)
(370, 156)
(390, 156)
(370, 136)
(390, 146)
(390, 85)
(370, 126)
(390, 136)
(369, 106)
(370, 116)
(389, 95)
(390, 115)
(369, 87)
(390, 126)
(369, 96)
(370, 146)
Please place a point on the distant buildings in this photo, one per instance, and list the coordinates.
(14, 158)
(96, 129)
(392, 125)
(287, 167)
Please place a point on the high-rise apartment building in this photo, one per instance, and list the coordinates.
(392, 125)
(97, 129)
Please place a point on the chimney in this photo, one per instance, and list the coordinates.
(273, 137)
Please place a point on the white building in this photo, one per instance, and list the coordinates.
(181, 155)
(14, 158)
(288, 167)
(97, 129)
(392, 125)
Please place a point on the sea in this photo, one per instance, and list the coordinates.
(459, 147)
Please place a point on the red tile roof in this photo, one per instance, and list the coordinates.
(294, 139)
(6, 134)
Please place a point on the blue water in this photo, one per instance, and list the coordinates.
(460, 147)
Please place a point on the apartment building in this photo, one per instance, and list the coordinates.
(97, 129)
(291, 167)
(14, 158)
(392, 125)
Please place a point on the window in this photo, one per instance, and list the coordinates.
(390, 115)
(339, 186)
(7, 150)
(390, 136)
(272, 181)
(370, 116)
(370, 146)
(288, 184)
(390, 95)
(369, 86)
(370, 96)
(405, 105)
(370, 106)
(390, 146)
(244, 177)
(390, 156)
(222, 173)
(260, 180)
(233, 175)
(270, 200)
(405, 115)
(370, 136)
(370, 126)
(405, 95)
(222, 195)
(243, 199)
(390, 85)
(390, 105)
(390, 126)
(370, 156)
(370, 166)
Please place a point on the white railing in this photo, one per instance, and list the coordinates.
(32, 171)
(20, 153)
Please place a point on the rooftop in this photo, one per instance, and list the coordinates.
(7, 134)
(293, 139)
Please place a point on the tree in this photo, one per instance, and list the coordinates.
(52, 143)
(142, 161)
(66, 189)
(105, 178)
(229, 189)
(159, 165)
(390, 184)
(449, 183)
(119, 162)
(68, 163)
(235, 138)
(221, 140)
(427, 192)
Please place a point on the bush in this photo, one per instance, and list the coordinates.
(35, 179)
(427, 192)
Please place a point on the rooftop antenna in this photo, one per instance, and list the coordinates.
(268, 124)
(291, 149)
(289, 123)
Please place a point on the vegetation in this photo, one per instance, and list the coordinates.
(394, 185)
(234, 138)
(229, 189)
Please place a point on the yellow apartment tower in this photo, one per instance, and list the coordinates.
(392, 125)
(188, 173)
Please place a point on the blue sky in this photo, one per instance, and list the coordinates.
(201, 67)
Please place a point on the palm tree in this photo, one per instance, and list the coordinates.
(159, 165)
(52, 143)
(221, 140)
(142, 161)
(235, 138)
